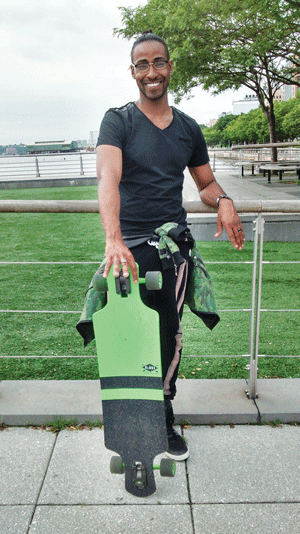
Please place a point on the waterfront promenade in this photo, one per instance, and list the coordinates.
(238, 479)
(242, 475)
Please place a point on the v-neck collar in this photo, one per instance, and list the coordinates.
(161, 129)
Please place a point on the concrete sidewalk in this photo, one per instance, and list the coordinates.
(247, 188)
(200, 402)
(238, 479)
(278, 227)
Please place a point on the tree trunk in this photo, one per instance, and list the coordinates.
(272, 128)
(268, 110)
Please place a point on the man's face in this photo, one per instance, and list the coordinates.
(153, 84)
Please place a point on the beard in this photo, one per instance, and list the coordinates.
(155, 95)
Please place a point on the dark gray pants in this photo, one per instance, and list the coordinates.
(168, 302)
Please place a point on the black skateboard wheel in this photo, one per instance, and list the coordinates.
(153, 280)
(167, 467)
(99, 283)
(117, 466)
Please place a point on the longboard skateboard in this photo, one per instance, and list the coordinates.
(129, 360)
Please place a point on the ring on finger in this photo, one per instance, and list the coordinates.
(239, 230)
(123, 260)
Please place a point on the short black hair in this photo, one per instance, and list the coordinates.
(149, 36)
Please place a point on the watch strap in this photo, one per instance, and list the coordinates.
(223, 196)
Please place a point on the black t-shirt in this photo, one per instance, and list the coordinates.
(153, 165)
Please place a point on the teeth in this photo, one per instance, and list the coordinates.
(153, 84)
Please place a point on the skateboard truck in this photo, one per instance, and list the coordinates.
(122, 285)
(139, 475)
(153, 281)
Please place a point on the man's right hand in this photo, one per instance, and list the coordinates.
(119, 256)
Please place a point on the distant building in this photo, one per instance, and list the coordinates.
(82, 144)
(93, 139)
(286, 92)
(245, 104)
(212, 122)
(278, 96)
(13, 150)
(50, 147)
(290, 91)
(21, 149)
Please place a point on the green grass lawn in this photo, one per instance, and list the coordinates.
(61, 288)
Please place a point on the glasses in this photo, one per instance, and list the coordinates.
(158, 64)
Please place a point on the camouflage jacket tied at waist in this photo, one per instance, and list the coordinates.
(199, 294)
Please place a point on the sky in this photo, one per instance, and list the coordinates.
(62, 68)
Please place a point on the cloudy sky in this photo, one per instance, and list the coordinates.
(62, 68)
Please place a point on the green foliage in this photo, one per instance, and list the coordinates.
(252, 127)
(57, 425)
(49, 369)
(217, 134)
(222, 45)
(190, 367)
(291, 121)
(212, 368)
(61, 288)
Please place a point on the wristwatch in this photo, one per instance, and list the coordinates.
(223, 196)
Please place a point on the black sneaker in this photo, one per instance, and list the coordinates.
(177, 449)
(177, 446)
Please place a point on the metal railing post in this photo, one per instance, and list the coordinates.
(255, 306)
(214, 162)
(37, 170)
(81, 166)
(240, 163)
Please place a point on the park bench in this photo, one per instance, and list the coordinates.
(280, 168)
(250, 165)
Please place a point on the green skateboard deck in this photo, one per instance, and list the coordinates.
(129, 360)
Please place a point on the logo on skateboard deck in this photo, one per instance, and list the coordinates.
(149, 367)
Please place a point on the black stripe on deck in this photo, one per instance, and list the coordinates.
(131, 382)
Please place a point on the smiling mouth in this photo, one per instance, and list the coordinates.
(153, 84)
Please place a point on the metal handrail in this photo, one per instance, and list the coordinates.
(191, 206)
(42, 165)
(243, 206)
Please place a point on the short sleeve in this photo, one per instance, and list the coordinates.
(112, 130)
(200, 154)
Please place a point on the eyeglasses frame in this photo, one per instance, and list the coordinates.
(166, 61)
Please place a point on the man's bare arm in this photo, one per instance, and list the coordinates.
(109, 172)
(209, 191)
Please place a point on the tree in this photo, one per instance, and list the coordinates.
(212, 136)
(252, 127)
(236, 131)
(222, 45)
(291, 121)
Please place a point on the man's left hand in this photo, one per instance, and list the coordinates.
(229, 219)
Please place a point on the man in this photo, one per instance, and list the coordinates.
(143, 149)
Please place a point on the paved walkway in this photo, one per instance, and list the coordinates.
(238, 479)
(247, 188)
(200, 402)
(278, 227)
